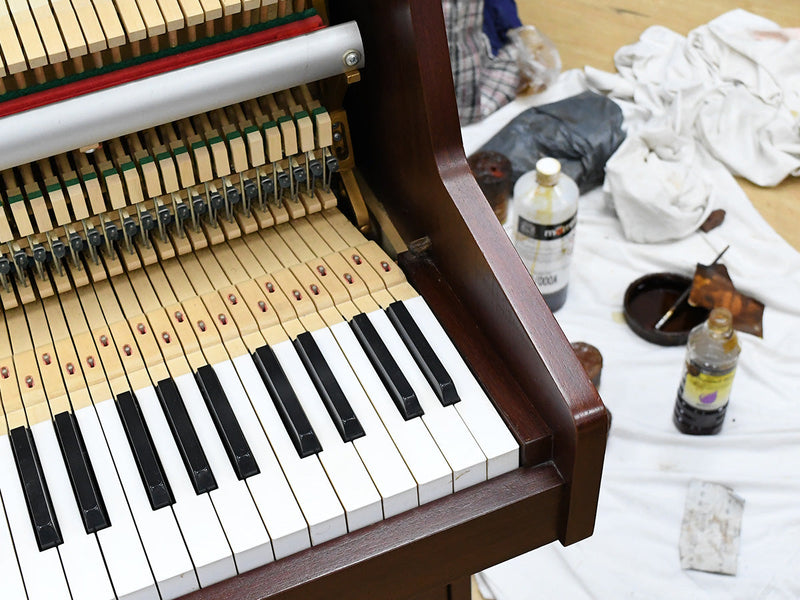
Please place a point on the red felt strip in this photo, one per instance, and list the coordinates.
(160, 65)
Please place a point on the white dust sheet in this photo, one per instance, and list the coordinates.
(649, 464)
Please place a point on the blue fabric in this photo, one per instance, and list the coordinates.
(498, 17)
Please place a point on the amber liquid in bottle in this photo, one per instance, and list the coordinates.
(711, 356)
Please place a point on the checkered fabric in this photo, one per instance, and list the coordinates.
(483, 82)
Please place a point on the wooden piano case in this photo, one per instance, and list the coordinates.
(408, 147)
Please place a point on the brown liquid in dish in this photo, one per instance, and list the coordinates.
(647, 307)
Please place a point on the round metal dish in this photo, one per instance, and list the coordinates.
(649, 297)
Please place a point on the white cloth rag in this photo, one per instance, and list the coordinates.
(729, 91)
(633, 552)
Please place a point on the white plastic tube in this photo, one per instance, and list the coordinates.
(137, 105)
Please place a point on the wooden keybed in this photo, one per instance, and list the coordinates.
(405, 137)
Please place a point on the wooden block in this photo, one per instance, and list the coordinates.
(305, 131)
(344, 228)
(114, 21)
(184, 163)
(310, 202)
(95, 193)
(48, 30)
(193, 12)
(131, 19)
(151, 15)
(202, 159)
(238, 150)
(92, 29)
(212, 9)
(169, 174)
(19, 212)
(288, 135)
(113, 185)
(323, 128)
(12, 49)
(283, 252)
(326, 198)
(152, 181)
(219, 153)
(255, 146)
(173, 16)
(28, 33)
(274, 145)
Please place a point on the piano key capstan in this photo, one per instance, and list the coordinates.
(273, 426)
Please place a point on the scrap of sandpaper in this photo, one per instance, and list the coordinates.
(712, 287)
(712, 522)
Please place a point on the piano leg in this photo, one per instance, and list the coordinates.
(457, 590)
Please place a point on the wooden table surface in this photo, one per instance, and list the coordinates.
(588, 32)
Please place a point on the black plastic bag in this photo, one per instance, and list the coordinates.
(582, 132)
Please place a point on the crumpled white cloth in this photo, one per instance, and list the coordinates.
(649, 464)
(729, 91)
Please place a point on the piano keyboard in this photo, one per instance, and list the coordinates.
(44, 42)
(169, 427)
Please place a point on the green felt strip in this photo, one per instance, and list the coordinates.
(71, 182)
(128, 166)
(145, 160)
(232, 135)
(214, 140)
(163, 155)
(35, 194)
(319, 110)
(284, 118)
(15, 198)
(198, 145)
(179, 150)
(53, 187)
(250, 129)
(299, 115)
(269, 125)
(89, 176)
(110, 172)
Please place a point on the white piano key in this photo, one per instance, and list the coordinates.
(41, 571)
(317, 499)
(475, 408)
(208, 547)
(83, 564)
(273, 497)
(413, 440)
(446, 426)
(10, 575)
(240, 519)
(158, 529)
(357, 493)
(122, 550)
(389, 473)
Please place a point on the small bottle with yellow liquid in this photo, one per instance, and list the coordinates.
(711, 356)
(545, 214)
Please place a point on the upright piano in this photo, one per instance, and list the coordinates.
(262, 336)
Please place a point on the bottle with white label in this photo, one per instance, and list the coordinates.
(545, 214)
(711, 356)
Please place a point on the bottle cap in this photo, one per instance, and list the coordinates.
(547, 171)
(720, 320)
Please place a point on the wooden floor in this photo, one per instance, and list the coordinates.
(588, 32)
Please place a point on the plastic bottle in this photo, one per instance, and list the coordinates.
(545, 214)
(711, 356)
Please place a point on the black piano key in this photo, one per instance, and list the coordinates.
(144, 453)
(332, 395)
(423, 354)
(194, 458)
(291, 412)
(239, 453)
(81, 475)
(34, 487)
(393, 379)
